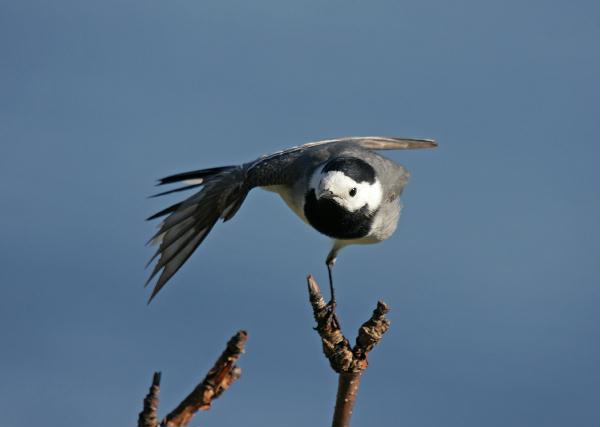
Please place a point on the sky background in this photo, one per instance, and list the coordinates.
(492, 276)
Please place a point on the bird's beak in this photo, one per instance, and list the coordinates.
(325, 194)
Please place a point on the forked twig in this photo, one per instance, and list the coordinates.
(218, 379)
(349, 362)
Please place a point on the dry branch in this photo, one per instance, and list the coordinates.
(347, 361)
(218, 379)
(148, 417)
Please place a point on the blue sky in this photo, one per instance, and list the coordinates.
(492, 276)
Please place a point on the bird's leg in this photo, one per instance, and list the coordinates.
(330, 261)
(330, 264)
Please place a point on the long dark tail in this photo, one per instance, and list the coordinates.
(188, 223)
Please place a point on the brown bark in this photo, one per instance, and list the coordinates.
(347, 361)
(348, 384)
(147, 417)
(218, 379)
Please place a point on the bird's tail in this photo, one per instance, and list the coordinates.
(186, 224)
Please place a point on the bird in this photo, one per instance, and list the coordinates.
(343, 188)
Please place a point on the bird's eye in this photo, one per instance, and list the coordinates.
(353, 192)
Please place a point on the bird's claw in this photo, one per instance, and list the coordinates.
(331, 318)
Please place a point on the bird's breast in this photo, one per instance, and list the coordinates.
(329, 218)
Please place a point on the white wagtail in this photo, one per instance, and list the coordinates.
(340, 187)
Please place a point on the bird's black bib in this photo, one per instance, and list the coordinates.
(331, 219)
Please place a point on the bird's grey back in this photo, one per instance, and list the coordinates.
(296, 167)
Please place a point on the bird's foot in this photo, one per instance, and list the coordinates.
(331, 318)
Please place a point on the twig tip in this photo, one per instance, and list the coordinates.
(313, 287)
(156, 379)
(382, 307)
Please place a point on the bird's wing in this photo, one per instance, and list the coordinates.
(188, 223)
(376, 143)
(281, 167)
(367, 142)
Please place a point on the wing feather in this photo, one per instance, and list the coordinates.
(366, 142)
(175, 263)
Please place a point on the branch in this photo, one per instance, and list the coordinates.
(147, 417)
(224, 373)
(347, 361)
(218, 379)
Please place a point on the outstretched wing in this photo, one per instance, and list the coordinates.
(384, 143)
(274, 169)
(367, 142)
(188, 223)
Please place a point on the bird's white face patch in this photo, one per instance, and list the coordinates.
(346, 192)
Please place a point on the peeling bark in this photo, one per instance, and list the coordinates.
(349, 362)
(218, 379)
(224, 373)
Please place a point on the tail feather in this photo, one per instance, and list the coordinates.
(189, 222)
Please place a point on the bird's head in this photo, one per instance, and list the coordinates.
(349, 182)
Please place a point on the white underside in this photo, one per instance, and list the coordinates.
(296, 204)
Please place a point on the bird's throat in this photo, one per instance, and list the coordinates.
(329, 218)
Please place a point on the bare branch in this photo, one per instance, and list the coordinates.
(218, 379)
(335, 346)
(370, 333)
(348, 362)
(148, 417)
(348, 384)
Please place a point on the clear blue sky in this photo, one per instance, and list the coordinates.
(492, 275)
